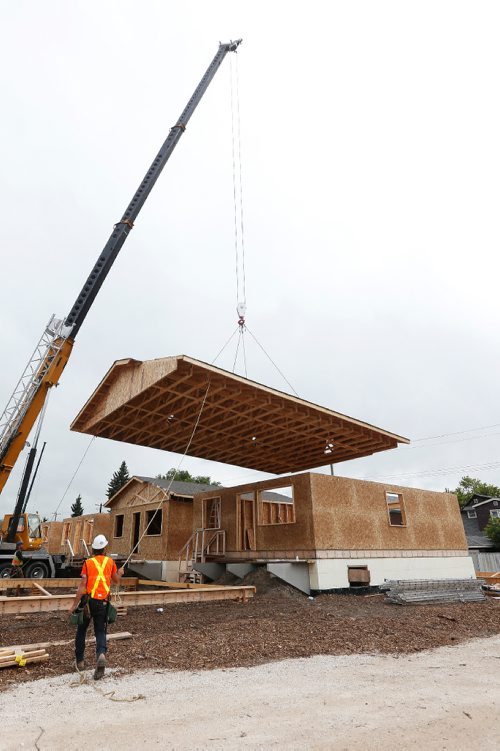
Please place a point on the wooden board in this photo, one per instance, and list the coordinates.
(156, 403)
(176, 585)
(17, 605)
(127, 581)
(18, 648)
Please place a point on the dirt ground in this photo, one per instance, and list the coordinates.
(279, 623)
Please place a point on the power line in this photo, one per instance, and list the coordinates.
(458, 432)
(489, 466)
(447, 443)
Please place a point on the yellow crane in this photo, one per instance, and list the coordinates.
(54, 348)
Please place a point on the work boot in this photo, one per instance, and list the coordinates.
(100, 667)
(80, 665)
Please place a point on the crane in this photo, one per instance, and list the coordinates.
(54, 348)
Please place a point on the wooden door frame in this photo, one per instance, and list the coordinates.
(132, 543)
(240, 532)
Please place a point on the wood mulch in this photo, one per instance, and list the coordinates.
(279, 623)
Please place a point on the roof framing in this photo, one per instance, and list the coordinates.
(156, 403)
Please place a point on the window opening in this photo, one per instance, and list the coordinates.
(495, 513)
(358, 576)
(276, 506)
(395, 509)
(472, 514)
(119, 525)
(153, 522)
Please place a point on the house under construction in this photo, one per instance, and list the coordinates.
(316, 531)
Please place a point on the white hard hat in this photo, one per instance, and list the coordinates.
(99, 543)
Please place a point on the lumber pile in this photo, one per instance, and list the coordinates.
(11, 657)
(420, 591)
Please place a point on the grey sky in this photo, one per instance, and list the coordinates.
(371, 166)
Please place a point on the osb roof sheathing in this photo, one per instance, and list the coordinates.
(157, 403)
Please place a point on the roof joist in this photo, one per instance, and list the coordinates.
(156, 403)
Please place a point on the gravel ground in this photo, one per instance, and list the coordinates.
(440, 699)
(279, 623)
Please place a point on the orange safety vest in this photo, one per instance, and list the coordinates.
(17, 561)
(99, 571)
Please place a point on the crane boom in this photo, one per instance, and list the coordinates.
(54, 349)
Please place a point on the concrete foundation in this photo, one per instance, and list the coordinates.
(212, 571)
(240, 569)
(296, 574)
(328, 574)
(149, 569)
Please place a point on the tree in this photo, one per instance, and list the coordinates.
(76, 507)
(492, 530)
(184, 476)
(119, 479)
(470, 485)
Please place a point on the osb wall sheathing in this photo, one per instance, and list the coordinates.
(51, 534)
(280, 537)
(177, 520)
(124, 382)
(336, 513)
(87, 526)
(352, 514)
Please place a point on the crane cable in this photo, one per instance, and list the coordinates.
(74, 475)
(239, 224)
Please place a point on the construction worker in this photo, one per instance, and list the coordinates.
(93, 596)
(18, 560)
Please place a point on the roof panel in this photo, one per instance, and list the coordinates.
(171, 402)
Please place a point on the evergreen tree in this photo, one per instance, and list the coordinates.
(119, 479)
(76, 507)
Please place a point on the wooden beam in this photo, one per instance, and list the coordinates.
(38, 586)
(73, 583)
(18, 605)
(177, 585)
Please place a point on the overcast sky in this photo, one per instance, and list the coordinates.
(371, 180)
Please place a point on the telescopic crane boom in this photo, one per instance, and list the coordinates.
(54, 348)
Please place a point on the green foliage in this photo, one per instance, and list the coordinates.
(76, 507)
(470, 485)
(184, 476)
(119, 479)
(492, 529)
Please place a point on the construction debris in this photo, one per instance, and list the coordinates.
(402, 592)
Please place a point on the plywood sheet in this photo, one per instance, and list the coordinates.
(156, 403)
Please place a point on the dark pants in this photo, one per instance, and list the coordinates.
(98, 614)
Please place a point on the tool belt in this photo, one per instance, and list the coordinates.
(82, 613)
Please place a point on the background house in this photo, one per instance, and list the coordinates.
(475, 516)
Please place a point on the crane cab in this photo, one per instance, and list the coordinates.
(29, 530)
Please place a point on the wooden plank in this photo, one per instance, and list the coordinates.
(177, 585)
(29, 660)
(72, 583)
(44, 591)
(18, 648)
(18, 605)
